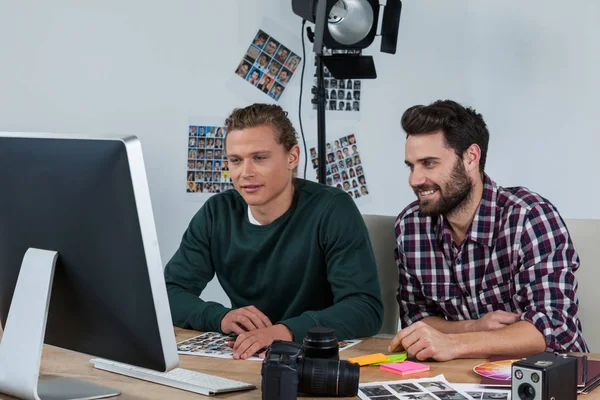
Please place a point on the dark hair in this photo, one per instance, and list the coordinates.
(461, 126)
(264, 114)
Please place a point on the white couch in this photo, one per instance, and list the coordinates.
(584, 233)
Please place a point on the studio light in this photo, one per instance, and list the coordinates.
(345, 28)
(350, 24)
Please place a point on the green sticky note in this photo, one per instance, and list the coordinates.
(394, 358)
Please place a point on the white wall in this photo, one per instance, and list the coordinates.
(144, 67)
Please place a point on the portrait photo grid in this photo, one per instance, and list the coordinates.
(340, 94)
(268, 65)
(207, 165)
(425, 389)
(214, 344)
(344, 167)
(209, 344)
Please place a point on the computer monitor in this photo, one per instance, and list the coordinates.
(78, 246)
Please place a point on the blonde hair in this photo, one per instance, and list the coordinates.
(263, 114)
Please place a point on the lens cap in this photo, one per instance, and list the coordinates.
(321, 343)
(320, 334)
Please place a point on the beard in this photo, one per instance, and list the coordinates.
(452, 198)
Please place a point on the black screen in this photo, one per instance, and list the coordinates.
(76, 197)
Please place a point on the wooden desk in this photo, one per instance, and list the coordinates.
(59, 362)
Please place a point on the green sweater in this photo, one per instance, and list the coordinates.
(313, 266)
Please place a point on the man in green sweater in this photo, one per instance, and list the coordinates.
(289, 253)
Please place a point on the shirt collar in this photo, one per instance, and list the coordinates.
(483, 227)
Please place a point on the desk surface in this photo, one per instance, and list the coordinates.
(59, 362)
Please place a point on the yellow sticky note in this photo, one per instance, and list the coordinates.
(369, 359)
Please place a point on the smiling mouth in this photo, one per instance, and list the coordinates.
(427, 192)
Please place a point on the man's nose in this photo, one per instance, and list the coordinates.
(247, 169)
(416, 177)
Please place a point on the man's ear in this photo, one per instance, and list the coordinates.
(472, 157)
(293, 157)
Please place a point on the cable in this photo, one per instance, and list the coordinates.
(300, 101)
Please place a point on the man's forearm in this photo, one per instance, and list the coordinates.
(445, 326)
(356, 316)
(519, 339)
(189, 311)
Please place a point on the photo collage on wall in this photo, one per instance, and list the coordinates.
(207, 165)
(268, 65)
(340, 94)
(344, 167)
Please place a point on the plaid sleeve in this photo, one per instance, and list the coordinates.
(545, 284)
(413, 305)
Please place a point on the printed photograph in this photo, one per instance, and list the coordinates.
(475, 395)
(341, 94)
(390, 397)
(207, 164)
(344, 166)
(210, 344)
(374, 391)
(405, 388)
(268, 65)
(435, 386)
(418, 396)
(345, 344)
(495, 396)
(215, 344)
(450, 395)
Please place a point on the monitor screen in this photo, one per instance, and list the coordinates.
(88, 200)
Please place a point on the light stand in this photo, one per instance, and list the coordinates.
(321, 135)
(350, 26)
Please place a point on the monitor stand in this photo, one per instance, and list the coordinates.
(23, 338)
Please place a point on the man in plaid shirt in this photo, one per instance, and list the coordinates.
(484, 270)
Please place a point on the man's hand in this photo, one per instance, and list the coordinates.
(249, 343)
(495, 320)
(244, 319)
(423, 341)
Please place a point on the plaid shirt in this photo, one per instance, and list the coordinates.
(517, 256)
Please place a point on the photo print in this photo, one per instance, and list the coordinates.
(210, 344)
(344, 167)
(479, 392)
(340, 94)
(214, 344)
(207, 165)
(421, 389)
(268, 65)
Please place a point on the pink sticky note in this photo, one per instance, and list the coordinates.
(405, 367)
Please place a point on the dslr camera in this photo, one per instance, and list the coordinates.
(312, 367)
(545, 376)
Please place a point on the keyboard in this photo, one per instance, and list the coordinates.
(179, 378)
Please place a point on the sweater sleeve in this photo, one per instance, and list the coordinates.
(187, 274)
(357, 309)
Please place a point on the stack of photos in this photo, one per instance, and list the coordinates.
(425, 389)
(341, 94)
(208, 167)
(268, 65)
(344, 168)
(214, 344)
(210, 344)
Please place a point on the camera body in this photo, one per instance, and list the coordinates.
(313, 368)
(279, 371)
(545, 376)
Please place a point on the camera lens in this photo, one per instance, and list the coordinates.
(321, 343)
(328, 377)
(526, 392)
